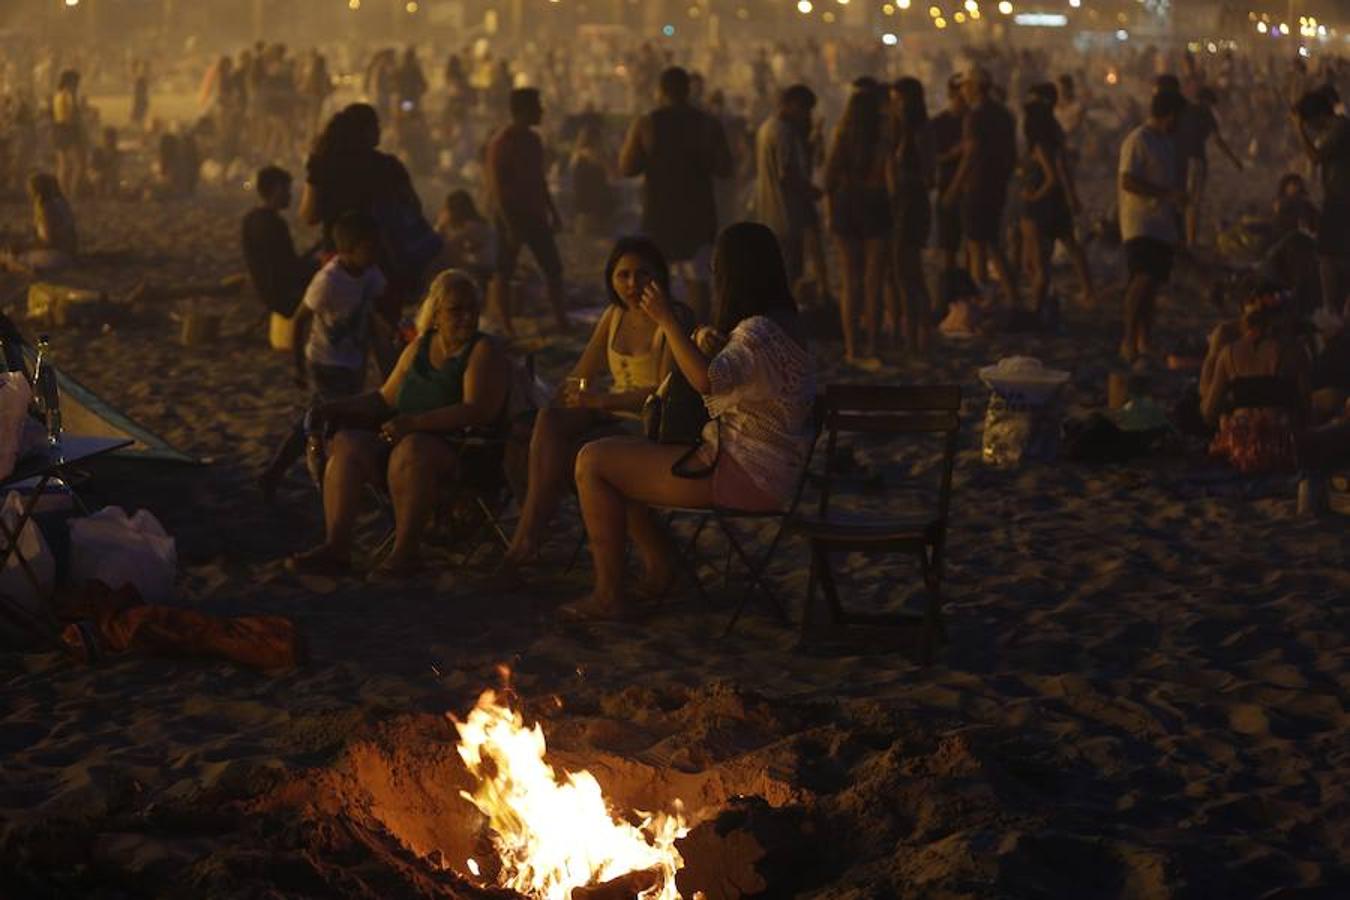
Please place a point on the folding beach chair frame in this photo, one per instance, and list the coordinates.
(893, 411)
(756, 566)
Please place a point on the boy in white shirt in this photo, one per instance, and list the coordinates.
(333, 330)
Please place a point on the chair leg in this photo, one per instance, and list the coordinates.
(830, 589)
(933, 628)
(685, 559)
(809, 606)
(755, 572)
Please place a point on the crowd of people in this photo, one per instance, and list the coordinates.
(739, 183)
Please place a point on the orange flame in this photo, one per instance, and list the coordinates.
(553, 830)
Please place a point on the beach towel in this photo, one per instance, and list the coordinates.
(120, 623)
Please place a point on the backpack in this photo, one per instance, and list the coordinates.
(409, 243)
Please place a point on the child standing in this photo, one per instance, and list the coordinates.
(336, 312)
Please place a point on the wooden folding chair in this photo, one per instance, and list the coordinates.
(885, 411)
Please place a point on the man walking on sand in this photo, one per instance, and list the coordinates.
(1151, 201)
(680, 151)
(521, 206)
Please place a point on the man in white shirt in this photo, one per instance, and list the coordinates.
(784, 194)
(1151, 201)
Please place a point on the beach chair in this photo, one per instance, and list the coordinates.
(884, 411)
(728, 521)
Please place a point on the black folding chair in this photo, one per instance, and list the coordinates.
(888, 411)
(738, 547)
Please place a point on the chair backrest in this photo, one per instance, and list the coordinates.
(886, 409)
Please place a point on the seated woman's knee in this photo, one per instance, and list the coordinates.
(417, 454)
(590, 462)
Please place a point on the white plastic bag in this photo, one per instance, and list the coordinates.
(1022, 421)
(118, 549)
(14, 581)
(15, 396)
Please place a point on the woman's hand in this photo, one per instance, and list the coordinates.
(397, 428)
(709, 341)
(572, 396)
(657, 306)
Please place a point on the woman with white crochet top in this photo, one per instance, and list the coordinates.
(757, 378)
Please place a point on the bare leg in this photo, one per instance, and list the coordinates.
(850, 298)
(874, 279)
(917, 304)
(1038, 261)
(417, 468)
(499, 301)
(352, 465)
(554, 443)
(1080, 266)
(1137, 293)
(557, 300)
(612, 475)
(1003, 273)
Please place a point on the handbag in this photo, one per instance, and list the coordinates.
(675, 414)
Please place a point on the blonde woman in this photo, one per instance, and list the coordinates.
(451, 377)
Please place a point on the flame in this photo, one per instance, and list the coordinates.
(553, 830)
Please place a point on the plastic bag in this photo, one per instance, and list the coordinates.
(14, 582)
(118, 549)
(1022, 421)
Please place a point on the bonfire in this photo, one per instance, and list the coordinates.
(553, 830)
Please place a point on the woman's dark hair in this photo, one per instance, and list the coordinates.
(645, 249)
(1290, 178)
(915, 115)
(460, 205)
(68, 79)
(1039, 126)
(1315, 105)
(352, 129)
(859, 136)
(749, 276)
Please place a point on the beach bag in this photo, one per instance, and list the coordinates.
(1022, 421)
(119, 550)
(15, 585)
(16, 395)
(410, 243)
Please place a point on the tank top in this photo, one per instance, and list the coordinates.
(426, 388)
(635, 371)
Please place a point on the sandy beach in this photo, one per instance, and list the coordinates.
(1142, 694)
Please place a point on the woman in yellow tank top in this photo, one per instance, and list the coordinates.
(628, 346)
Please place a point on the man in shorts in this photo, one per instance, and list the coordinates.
(980, 185)
(521, 206)
(1151, 201)
(947, 127)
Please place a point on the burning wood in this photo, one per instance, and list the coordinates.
(553, 831)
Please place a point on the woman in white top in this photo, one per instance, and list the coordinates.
(758, 382)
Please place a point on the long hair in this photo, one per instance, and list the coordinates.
(857, 140)
(645, 249)
(351, 130)
(1039, 126)
(915, 108)
(749, 276)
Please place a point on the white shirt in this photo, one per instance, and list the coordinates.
(342, 304)
(1151, 156)
(778, 151)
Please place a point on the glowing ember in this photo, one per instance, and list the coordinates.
(553, 830)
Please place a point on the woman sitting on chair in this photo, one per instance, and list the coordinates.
(452, 377)
(628, 345)
(758, 382)
(1258, 392)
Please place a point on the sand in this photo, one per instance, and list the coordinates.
(1142, 694)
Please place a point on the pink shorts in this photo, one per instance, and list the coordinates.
(734, 489)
